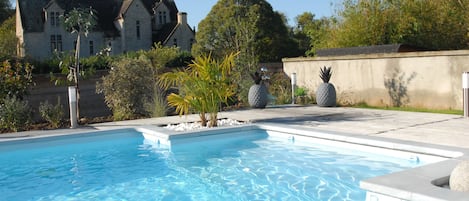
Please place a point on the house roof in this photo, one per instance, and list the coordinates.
(149, 4)
(165, 32)
(32, 15)
(375, 49)
(168, 30)
(32, 12)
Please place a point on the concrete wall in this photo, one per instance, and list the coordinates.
(418, 79)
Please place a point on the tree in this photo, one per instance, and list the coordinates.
(249, 27)
(203, 86)
(5, 10)
(223, 29)
(80, 21)
(311, 33)
(436, 24)
(8, 40)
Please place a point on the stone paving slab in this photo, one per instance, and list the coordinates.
(442, 129)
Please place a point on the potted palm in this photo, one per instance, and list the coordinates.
(326, 95)
(258, 94)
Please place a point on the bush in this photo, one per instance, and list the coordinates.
(131, 89)
(300, 91)
(15, 114)
(128, 85)
(15, 79)
(280, 88)
(156, 106)
(52, 113)
(98, 62)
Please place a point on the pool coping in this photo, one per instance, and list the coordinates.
(421, 183)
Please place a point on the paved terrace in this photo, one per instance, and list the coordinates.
(442, 129)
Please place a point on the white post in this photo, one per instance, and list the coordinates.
(72, 99)
(465, 90)
(293, 84)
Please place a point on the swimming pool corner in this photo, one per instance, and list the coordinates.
(426, 183)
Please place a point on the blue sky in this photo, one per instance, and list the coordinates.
(197, 9)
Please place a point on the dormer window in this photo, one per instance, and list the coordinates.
(164, 17)
(54, 19)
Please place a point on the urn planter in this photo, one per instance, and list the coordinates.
(257, 96)
(326, 95)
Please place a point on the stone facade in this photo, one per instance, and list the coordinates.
(123, 25)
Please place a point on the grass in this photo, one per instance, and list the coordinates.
(410, 109)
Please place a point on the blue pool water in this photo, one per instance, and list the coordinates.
(124, 166)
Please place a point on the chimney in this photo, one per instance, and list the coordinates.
(182, 18)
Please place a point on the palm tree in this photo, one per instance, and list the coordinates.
(203, 86)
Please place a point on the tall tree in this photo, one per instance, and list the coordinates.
(311, 33)
(249, 27)
(8, 40)
(435, 24)
(6, 10)
(220, 31)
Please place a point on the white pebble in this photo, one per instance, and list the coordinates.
(196, 125)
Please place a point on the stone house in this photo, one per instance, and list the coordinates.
(123, 25)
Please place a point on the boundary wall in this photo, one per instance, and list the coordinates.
(430, 79)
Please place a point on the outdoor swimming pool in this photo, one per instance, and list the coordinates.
(249, 165)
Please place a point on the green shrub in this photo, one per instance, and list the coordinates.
(301, 95)
(156, 106)
(131, 89)
(15, 79)
(183, 59)
(98, 62)
(280, 88)
(15, 114)
(52, 113)
(127, 86)
(301, 91)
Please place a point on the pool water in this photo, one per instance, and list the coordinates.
(125, 166)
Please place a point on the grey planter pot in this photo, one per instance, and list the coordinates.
(257, 96)
(326, 95)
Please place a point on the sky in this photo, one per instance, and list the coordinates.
(197, 9)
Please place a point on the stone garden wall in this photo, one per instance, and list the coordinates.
(417, 79)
